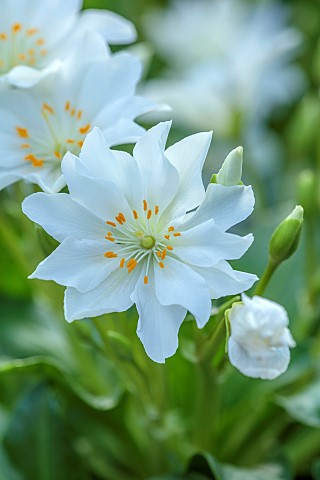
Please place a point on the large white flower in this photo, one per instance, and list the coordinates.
(235, 66)
(260, 339)
(36, 35)
(126, 237)
(39, 125)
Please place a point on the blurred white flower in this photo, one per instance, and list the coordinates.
(260, 339)
(127, 237)
(228, 61)
(40, 124)
(36, 35)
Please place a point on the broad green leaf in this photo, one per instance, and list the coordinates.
(304, 406)
(205, 463)
(37, 440)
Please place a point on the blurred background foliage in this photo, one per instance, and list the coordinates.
(77, 405)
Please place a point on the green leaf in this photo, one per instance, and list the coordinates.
(208, 465)
(304, 406)
(316, 469)
(38, 441)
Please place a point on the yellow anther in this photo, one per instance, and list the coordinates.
(70, 140)
(25, 145)
(32, 31)
(177, 234)
(22, 132)
(80, 144)
(31, 52)
(43, 51)
(79, 114)
(169, 248)
(110, 255)
(163, 254)
(111, 223)
(121, 218)
(161, 264)
(3, 36)
(149, 214)
(40, 41)
(16, 27)
(58, 155)
(67, 106)
(36, 162)
(135, 214)
(22, 56)
(131, 265)
(85, 129)
(159, 253)
(73, 111)
(145, 205)
(47, 107)
(146, 280)
(111, 239)
(122, 262)
(170, 229)
(167, 237)
(156, 210)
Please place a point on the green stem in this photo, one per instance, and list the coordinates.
(264, 280)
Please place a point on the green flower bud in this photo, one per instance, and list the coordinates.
(231, 170)
(285, 238)
(307, 191)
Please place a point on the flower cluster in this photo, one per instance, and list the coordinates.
(133, 229)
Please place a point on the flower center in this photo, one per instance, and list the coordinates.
(148, 242)
(140, 240)
(40, 151)
(21, 46)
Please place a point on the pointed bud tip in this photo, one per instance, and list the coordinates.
(297, 213)
(231, 170)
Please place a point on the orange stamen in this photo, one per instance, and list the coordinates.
(170, 229)
(146, 280)
(167, 237)
(163, 254)
(67, 106)
(110, 255)
(43, 52)
(156, 210)
(161, 264)
(3, 36)
(36, 162)
(149, 214)
(25, 145)
(135, 214)
(80, 144)
(79, 114)
(73, 111)
(22, 56)
(111, 223)
(169, 248)
(108, 237)
(69, 140)
(40, 41)
(16, 27)
(32, 31)
(85, 129)
(58, 155)
(178, 234)
(159, 253)
(22, 132)
(145, 205)
(47, 107)
(122, 262)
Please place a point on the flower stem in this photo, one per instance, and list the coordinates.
(264, 280)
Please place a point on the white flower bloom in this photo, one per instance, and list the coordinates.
(126, 237)
(39, 125)
(260, 339)
(36, 35)
(235, 66)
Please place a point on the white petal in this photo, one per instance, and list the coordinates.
(158, 325)
(122, 131)
(23, 76)
(188, 157)
(160, 177)
(62, 217)
(77, 263)
(115, 29)
(269, 366)
(226, 205)
(223, 280)
(205, 245)
(112, 295)
(99, 196)
(178, 284)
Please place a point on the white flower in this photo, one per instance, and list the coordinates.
(260, 339)
(39, 125)
(229, 61)
(126, 237)
(36, 35)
